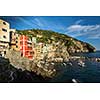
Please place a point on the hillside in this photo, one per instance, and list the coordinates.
(56, 49)
(57, 39)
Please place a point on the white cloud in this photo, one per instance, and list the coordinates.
(84, 28)
(24, 21)
(30, 23)
(95, 36)
(44, 24)
(78, 22)
(89, 31)
(39, 22)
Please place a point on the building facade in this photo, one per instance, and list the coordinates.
(39, 50)
(4, 36)
(26, 47)
(14, 40)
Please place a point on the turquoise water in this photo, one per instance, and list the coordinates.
(88, 74)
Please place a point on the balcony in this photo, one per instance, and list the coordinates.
(29, 41)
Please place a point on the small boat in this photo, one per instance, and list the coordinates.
(75, 80)
(69, 63)
(64, 64)
(81, 63)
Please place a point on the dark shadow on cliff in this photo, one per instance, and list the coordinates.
(9, 74)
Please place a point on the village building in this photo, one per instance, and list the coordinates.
(14, 40)
(4, 36)
(26, 47)
(9, 39)
(39, 51)
(51, 50)
(34, 40)
(44, 51)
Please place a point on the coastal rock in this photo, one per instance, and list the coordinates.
(10, 74)
(43, 68)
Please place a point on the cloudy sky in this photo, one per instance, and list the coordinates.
(81, 27)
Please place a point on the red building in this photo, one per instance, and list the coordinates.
(26, 47)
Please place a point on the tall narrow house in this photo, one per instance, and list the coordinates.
(14, 40)
(26, 47)
(4, 36)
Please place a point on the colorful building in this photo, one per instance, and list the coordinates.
(26, 47)
(9, 39)
(4, 36)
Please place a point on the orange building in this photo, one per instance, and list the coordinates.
(26, 47)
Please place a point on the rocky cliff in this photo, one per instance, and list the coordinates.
(8, 73)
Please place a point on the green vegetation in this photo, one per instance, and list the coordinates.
(51, 37)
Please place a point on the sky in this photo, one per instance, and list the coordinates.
(84, 28)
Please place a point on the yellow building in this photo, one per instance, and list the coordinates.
(4, 35)
(39, 50)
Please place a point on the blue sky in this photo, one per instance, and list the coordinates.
(85, 28)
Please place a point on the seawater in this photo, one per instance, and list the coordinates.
(88, 74)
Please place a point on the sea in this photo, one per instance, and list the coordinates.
(88, 74)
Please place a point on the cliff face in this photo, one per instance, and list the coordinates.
(39, 67)
(62, 43)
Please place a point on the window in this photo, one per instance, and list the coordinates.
(4, 30)
(11, 32)
(16, 37)
(4, 52)
(21, 42)
(4, 23)
(21, 54)
(4, 36)
(31, 53)
(16, 41)
(16, 46)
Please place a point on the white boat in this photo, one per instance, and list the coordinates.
(69, 63)
(81, 63)
(75, 81)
